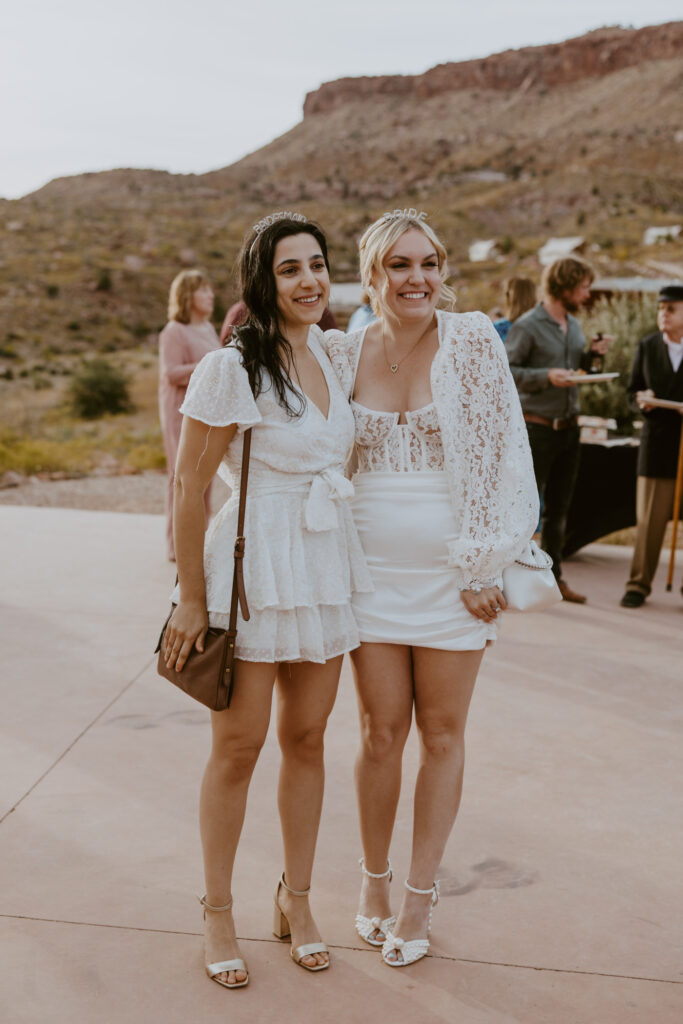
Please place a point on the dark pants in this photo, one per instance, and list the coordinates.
(556, 463)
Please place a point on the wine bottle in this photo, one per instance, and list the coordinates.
(597, 361)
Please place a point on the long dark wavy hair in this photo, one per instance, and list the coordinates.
(264, 348)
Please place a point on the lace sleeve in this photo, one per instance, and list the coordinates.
(219, 393)
(342, 350)
(488, 458)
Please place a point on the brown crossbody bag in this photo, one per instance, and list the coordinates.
(208, 675)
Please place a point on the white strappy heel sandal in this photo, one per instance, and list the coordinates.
(281, 930)
(223, 966)
(366, 926)
(411, 950)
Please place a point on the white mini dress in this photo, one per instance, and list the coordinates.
(303, 560)
(403, 512)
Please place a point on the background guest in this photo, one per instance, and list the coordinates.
(362, 316)
(185, 339)
(520, 297)
(546, 346)
(657, 372)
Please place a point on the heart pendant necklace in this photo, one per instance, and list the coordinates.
(394, 366)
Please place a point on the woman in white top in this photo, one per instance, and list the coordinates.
(445, 498)
(302, 562)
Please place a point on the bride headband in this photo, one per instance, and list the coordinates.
(411, 213)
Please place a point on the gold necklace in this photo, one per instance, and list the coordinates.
(394, 366)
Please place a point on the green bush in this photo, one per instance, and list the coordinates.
(627, 319)
(99, 388)
(24, 454)
(104, 281)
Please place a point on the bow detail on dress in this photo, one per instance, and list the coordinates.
(327, 488)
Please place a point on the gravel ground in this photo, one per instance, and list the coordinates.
(139, 492)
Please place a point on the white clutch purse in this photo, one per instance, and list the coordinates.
(529, 584)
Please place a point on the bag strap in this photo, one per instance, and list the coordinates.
(239, 594)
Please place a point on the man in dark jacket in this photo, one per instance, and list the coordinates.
(657, 372)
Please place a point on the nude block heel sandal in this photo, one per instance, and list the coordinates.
(223, 966)
(281, 930)
(365, 926)
(411, 950)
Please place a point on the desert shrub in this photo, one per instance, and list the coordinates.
(52, 291)
(104, 281)
(98, 388)
(627, 319)
(28, 455)
(146, 456)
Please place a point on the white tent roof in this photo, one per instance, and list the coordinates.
(557, 248)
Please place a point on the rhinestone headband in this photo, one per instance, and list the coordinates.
(273, 217)
(412, 213)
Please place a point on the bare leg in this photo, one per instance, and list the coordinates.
(306, 695)
(237, 737)
(384, 687)
(444, 682)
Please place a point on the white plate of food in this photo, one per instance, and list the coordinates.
(664, 403)
(591, 378)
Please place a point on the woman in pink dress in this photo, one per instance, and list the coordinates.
(186, 338)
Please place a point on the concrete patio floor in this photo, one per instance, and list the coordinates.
(561, 881)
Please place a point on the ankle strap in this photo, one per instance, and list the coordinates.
(216, 910)
(433, 892)
(371, 874)
(294, 892)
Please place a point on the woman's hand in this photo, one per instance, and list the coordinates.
(186, 628)
(484, 604)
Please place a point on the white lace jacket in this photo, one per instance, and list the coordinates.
(486, 449)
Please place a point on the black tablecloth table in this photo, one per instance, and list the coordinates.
(605, 494)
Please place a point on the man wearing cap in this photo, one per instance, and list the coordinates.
(545, 347)
(657, 372)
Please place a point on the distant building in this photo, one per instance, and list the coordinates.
(653, 235)
(605, 287)
(486, 249)
(560, 248)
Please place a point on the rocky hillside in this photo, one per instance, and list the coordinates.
(591, 56)
(583, 137)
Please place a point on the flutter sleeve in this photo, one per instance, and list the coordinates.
(489, 460)
(219, 393)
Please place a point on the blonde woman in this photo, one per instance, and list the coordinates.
(445, 498)
(186, 338)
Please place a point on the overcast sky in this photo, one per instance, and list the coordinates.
(192, 85)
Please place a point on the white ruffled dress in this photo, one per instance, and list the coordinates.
(303, 560)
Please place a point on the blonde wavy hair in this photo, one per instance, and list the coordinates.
(376, 242)
(185, 284)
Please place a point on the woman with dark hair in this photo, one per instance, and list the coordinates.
(302, 563)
